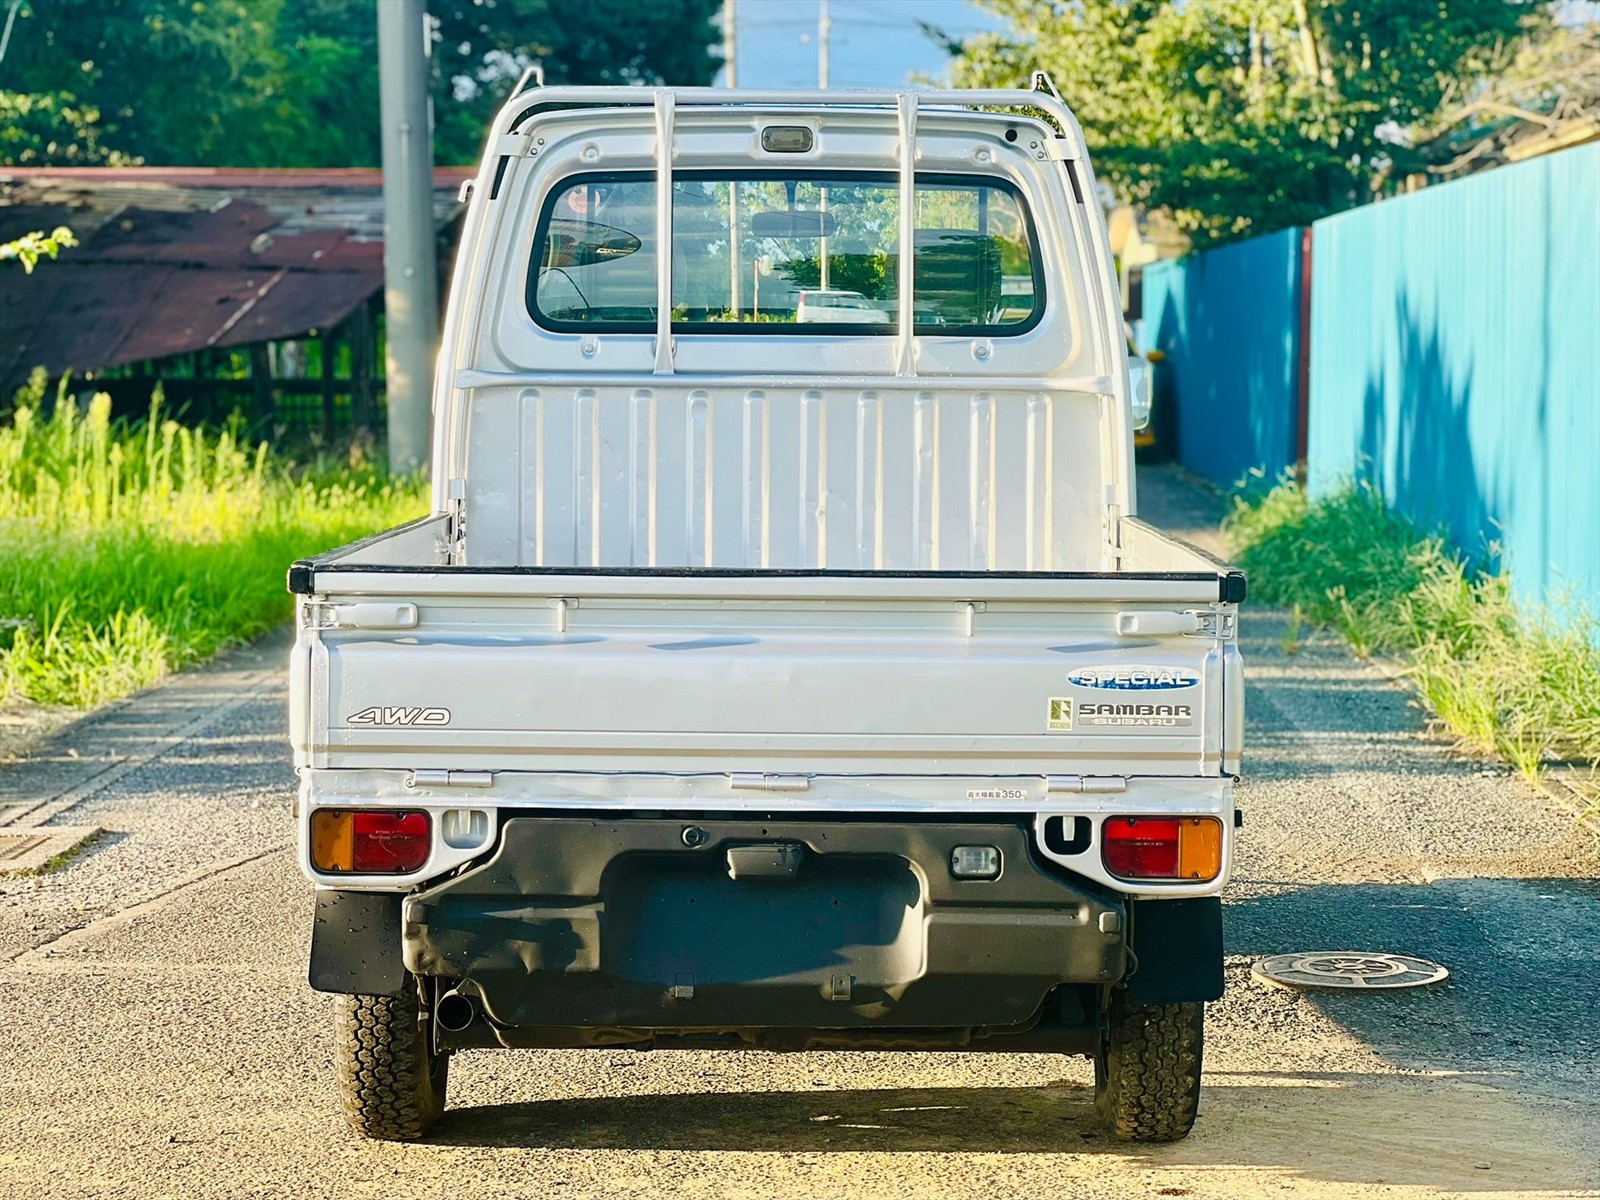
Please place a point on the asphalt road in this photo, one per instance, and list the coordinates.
(162, 1041)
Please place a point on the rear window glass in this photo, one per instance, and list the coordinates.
(813, 254)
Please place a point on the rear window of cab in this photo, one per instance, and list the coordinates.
(780, 253)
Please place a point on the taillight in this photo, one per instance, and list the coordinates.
(369, 841)
(1179, 848)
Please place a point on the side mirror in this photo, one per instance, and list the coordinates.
(1141, 377)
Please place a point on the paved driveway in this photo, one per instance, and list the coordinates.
(162, 1041)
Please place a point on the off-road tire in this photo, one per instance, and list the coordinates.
(1147, 1074)
(391, 1083)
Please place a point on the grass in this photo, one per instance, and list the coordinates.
(132, 549)
(1506, 680)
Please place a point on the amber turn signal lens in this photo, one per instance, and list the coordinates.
(1187, 849)
(369, 841)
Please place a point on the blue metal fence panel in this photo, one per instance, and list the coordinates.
(1455, 361)
(1228, 322)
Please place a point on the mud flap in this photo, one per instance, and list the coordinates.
(355, 944)
(1178, 947)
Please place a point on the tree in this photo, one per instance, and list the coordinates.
(1243, 116)
(166, 80)
(294, 83)
(483, 46)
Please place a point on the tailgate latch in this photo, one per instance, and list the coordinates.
(1194, 622)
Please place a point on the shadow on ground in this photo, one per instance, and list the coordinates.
(1523, 988)
(1331, 1127)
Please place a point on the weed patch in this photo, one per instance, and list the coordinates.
(131, 549)
(1506, 681)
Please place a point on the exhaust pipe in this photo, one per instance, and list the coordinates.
(454, 1011)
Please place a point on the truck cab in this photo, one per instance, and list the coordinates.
(761, 681)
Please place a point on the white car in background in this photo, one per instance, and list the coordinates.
(839, 308)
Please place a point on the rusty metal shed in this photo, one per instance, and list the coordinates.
(177, 262)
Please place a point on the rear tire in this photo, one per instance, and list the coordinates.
(1147, 1074)
(391, 1083)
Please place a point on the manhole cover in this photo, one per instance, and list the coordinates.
(1348, 971)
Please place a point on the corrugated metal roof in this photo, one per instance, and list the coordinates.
(177, 260)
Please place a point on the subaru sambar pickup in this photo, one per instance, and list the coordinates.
(764, 683)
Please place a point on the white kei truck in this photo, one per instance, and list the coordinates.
(770, 684)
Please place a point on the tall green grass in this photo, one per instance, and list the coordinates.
(131, 549)
(1506, 680)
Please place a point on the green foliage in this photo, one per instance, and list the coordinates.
(1521, 685)
(281, 83)
(31, 247)
(483, 46)
(1244, 116)
(128, 550)
(51, 128)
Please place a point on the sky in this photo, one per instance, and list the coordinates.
(874, 43)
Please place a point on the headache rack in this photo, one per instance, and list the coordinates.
(512, 138)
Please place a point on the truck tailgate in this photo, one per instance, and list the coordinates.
(811, 673)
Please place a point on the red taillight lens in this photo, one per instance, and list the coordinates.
(369, 842)
(1140, 847)
(1178, 848)
(390, 843)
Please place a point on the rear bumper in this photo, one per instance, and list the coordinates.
(580, 931)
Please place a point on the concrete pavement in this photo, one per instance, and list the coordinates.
(163, 1042)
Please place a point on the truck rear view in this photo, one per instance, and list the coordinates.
(782, 666)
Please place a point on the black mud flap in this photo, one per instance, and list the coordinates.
(355, 944)
(1178, 947)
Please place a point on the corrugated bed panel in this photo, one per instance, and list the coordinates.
(784, 478)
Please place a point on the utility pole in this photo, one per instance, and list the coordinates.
(410, 259)
(824, 28)
(730, 42)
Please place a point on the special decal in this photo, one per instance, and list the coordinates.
(399, 716)
(1060, 718)
(1167, 716)
(1135, 679)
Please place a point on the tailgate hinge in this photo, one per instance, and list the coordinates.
(439, 777)
(1085, 783)
(758, 781)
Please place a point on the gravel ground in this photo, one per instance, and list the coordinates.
(165, 1044)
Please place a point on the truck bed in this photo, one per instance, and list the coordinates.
(609, 671)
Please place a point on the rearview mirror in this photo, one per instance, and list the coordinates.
(795, 223)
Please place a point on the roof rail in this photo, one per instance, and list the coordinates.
(1040, 100)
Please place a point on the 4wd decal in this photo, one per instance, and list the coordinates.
(1139, 715)
(1135, 679)
(399, 716)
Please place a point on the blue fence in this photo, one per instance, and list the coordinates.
(1228, 322)
(1455, 361)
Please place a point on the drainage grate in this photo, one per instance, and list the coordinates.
(33, 849)
(1348, 971)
